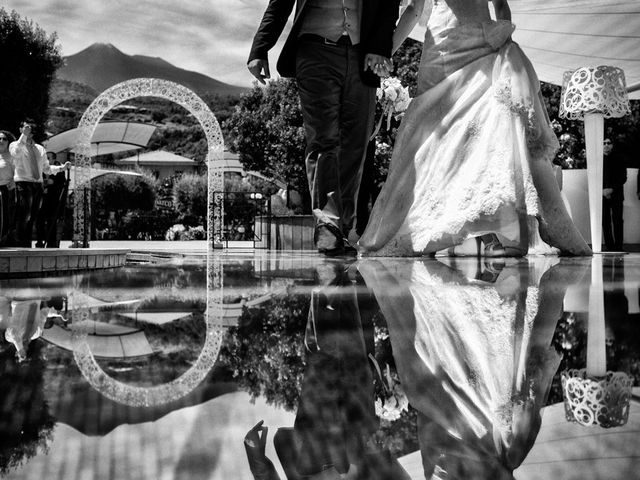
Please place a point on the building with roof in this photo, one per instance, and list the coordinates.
(161, 163)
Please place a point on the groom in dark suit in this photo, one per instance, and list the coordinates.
(337, 50)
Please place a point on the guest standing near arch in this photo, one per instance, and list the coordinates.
(31, 162)
(7, 189)
(337, 50)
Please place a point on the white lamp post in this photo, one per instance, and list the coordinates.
(593, 94)
(595, 396)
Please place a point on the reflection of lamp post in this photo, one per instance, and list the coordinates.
(593, 396)
(593, 94)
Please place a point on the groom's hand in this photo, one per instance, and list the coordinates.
(381, 66)
(259, 68)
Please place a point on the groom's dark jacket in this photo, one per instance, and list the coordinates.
(378, 20)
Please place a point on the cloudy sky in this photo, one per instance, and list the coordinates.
(212, 37)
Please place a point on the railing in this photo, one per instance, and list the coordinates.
(239, 228)
(248, 222)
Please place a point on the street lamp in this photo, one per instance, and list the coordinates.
(593, 94)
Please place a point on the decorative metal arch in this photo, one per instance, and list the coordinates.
(159, 394)
(145, 87)
(93, 373)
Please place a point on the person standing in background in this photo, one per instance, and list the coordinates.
(46, 222)
(31, 162)
(7, 189)
(614, 178)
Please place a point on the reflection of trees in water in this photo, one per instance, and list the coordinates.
(25, 423)
(266, 356)
(139, 278)
(265, 353)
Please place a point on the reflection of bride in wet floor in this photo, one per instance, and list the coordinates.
(473, 353)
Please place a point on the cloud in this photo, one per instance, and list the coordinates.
(211, 37)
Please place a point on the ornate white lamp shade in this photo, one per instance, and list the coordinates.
(592, 94)
(603, 402)
(594, 90)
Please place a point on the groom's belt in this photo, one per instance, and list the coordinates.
(312, 37)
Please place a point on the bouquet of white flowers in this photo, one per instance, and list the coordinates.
(394, 100)
(393, 401)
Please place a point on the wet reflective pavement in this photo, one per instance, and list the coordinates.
(295, 366)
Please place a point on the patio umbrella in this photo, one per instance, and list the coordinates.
(99, 172)
(108, 137)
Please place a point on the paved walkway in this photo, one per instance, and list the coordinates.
(193, 246)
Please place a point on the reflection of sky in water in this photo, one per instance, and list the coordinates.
(333, 349)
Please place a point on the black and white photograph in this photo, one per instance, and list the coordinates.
(320, 240)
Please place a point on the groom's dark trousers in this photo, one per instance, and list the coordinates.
(337, 108)
(337, 97)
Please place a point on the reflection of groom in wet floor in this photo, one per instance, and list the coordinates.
(335, 422)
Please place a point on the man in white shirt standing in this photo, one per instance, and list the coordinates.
(30, 160)
(7, 187)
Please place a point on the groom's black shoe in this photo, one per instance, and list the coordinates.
(328, 239)
(331, 242)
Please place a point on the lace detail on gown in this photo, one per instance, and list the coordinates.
(474, 357)
(489, 359)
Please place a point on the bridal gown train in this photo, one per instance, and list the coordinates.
(474, 357)
(473, 153)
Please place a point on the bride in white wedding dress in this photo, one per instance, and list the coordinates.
(472, 158)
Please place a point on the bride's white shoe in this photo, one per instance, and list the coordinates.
(485, 246)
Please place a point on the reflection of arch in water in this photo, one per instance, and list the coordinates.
(181, 386)
(145, 87)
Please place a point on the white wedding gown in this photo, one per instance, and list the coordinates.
(473, 153)
(474, 357)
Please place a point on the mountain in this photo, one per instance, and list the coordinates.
(101, 66)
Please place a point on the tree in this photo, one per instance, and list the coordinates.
(31, 58)
(119, 194)
(266, 130)
(190, 199)
(407, 61)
